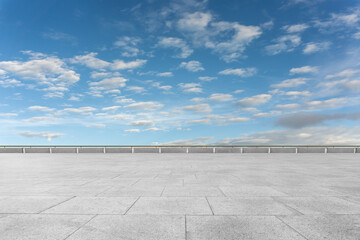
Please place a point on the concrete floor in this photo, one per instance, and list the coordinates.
(179, 196)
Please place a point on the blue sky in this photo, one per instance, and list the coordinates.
(179, 72)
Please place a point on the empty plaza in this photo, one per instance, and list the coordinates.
(204, 196)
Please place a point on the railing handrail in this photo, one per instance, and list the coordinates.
(156, 146)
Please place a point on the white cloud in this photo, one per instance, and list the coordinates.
(112, 108)
(96, 125)
(80, 110)
(329, 103)
(288, 83)
(165, 74)
(172, 42)
(10, 83)
(352, 86)
(128, 46)
(297, 93)
(47, 135)
(134, 130)
(295, 28)
(238, 91)
(207, 79)
(266, 114)
(146, 106)
(243, 72)
(254, 100)
(154, 129)
(285, 43)
(143, 123)
(136, 89)
(161, 87)
(90, 61)
(237, 119)
(41, 108)
(121, 65)
(122, 100)
(313, 47)
(8, 114)
(193, 141)
(199, 108)
(74, 98)
(192, 66)
(228, 39)
(220, 97)
(49, 71)
(190, 87)
(120, 117)
(302, 70)
(347, 73)
(107, 84)
(289, 106)
(308, 136)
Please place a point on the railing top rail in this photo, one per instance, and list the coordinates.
(154, 146)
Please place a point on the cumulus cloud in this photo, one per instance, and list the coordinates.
(328, 103)
(199, 108)
(107, 84)
(172, 42)
(192, 141)
(308, 136)
(242, 72)
(134, 130)
(192, 66)
(8, 114)
(48, 71)
(285, 43)
(145, 106)
(47, 135)
(289, 106)
(254, 100)
(347, 73)
(10, 83)
(190, 87)
(80, 110)
(165, 74)
(305, 119)
(41, 108)
(128, 46)
(228, 39)
(207, 78)
(136, 89)
(296, 28)
(143, 123)
(220, 97)
(112, 108)
(121, 65)
(304, 69)
(288, 83)
(313, 47)
(90, 60)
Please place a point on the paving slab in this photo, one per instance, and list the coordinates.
(36, 227)
(171, 206)
(248, 206)
(234, 228)
(132, 227)
(260, 191)
(134, 191)
(305, 191)
(94, 205)
(321, 205)
(28, 204)
(191, 191)
(325, 227)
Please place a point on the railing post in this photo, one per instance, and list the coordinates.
(159, 149)
(132, 149)
(213, 149)
(296, 150)
(241, 150)
(50, 149)
(23, 150)
(187, 150)
(104, 150)
(354, 149)
(269, 150)
(326, 150)
(77, 149)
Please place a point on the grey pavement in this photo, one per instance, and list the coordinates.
(226, 196)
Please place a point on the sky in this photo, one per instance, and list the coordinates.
(226, 72)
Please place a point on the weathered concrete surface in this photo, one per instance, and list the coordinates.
(37, 150)
(180, 196)
(63, 150)
(11, 150)
(118, 150)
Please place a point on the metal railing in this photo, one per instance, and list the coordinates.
(180, 149)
